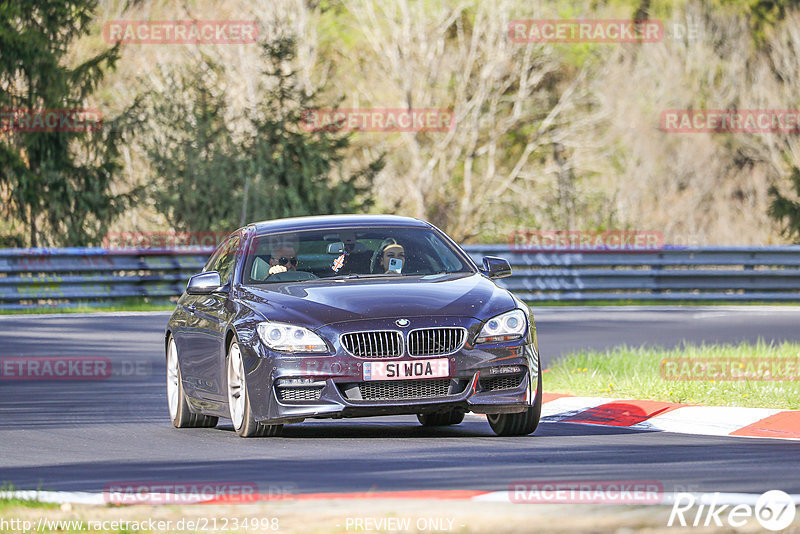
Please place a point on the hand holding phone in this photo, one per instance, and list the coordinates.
(395, 265)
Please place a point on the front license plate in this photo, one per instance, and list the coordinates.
(436, 368)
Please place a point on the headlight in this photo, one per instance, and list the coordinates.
(504, 327)
(289, 338)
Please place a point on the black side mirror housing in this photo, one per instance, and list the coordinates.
(495, 267)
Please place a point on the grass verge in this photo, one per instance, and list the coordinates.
(7, 501)
(650, 374)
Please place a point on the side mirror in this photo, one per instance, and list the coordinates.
(496, 267)
(204, 283)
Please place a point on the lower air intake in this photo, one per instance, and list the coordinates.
(404, 389)
(299, 394)
(499, 383)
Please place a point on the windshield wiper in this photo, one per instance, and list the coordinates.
(351, 276)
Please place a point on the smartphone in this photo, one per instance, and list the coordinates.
(395, 265)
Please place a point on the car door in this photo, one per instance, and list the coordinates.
(205, 339)
(187, 339)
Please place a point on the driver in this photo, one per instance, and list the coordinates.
(283, 258)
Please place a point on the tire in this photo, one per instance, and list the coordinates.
(453, 417)
(519, 424)
(239, 401)
(179, 412)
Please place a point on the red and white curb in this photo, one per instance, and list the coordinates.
(672, 417)
(635, 414)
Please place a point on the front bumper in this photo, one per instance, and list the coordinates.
(338, 388)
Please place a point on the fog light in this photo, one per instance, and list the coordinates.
(295, 382)
(505, 370)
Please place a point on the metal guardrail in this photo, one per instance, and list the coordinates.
(668, 274)
(68, 277)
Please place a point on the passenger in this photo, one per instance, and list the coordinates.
(392, 251)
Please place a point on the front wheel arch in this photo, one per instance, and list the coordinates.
(522, 423)
(248, 426)
(167, 336)
(230, 335)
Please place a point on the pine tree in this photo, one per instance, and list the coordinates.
(57, 181)
(786, 210)
(295, 171)
(204, 180)
(197, 177)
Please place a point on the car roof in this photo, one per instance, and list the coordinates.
(335, 221)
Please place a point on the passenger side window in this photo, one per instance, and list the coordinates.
(225, 263)
(209, 266)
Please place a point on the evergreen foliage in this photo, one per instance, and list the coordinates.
(207, 180)
(786, 210)
(57, 183)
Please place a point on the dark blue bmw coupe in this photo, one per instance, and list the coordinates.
(350, 316)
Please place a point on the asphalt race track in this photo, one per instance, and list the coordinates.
(83, 436)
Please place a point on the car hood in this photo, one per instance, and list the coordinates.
(317, 303)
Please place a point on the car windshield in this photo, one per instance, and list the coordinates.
(350, 253)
